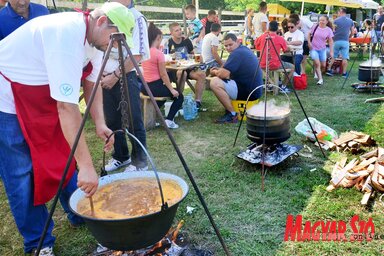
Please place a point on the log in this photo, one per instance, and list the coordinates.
(364, 164)
(357, 133)
(366, 196)
(380, 170)
(370, 154)
(344, 138)
(374, 100)
(355, 175)
(339, 177)
(367, 185)
(374, 179)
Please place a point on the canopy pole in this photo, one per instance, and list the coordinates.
(302, 8)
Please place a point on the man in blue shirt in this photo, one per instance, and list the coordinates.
(343, 31)
(16, 13)
(237, 78)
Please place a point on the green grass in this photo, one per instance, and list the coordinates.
(251, 221)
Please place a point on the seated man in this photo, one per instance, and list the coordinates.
(207, 21)
(273, 51)
(209, 48)
(178, 43)
(237, 78)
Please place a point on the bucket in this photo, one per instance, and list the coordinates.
(239, 106)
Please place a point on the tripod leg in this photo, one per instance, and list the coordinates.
(298, 99)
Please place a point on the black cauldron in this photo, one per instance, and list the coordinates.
(131, 233)
(277, 128)
(368, 73)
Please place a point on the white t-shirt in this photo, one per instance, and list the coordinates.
(140, 41)
(305, 26)
(259, 18)
(206, 50)
(295, 36)
(47, 50)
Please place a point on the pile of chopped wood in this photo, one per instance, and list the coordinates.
(366, 174)
(351, 141)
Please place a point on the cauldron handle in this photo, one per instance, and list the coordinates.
(164, 205)
(246, 103)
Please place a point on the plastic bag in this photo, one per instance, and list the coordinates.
(323, 132)
(300, 82)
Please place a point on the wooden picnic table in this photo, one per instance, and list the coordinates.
(183, 67)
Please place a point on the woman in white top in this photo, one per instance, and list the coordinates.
(295, 39)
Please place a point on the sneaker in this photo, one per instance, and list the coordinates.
(315, 76)
(46, 251)
(285, 89)
(114, 164)
(132, 168)
(329, 73)
(345, 75)
(171, 124)
(199, 107)
(227, 118)
(320, 82)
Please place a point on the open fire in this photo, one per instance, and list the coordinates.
(172, 244)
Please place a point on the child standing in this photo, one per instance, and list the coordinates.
(195, 26)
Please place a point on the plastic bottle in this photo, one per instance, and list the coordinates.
(189, 108)
(165, 47)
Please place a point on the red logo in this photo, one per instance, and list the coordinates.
(358, 230)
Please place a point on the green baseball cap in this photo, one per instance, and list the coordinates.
(122, 17)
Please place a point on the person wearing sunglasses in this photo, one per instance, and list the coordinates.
(295, 39)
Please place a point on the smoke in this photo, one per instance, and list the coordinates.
(273, 108)
(374, 62)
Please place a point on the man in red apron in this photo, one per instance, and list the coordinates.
(40, 69)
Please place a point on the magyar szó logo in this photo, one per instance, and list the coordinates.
(66, 89)
(333, 230)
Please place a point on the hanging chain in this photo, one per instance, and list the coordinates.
(123, 105)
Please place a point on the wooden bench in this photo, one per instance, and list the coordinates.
(149, 112)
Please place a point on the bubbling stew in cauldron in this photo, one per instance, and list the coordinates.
(130, 198)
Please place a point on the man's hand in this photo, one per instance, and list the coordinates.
(87, 181)
(104, 132)
(108, 81)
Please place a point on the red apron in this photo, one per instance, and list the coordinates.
(40, 124)
(39, 121)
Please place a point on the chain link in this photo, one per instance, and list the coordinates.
(123, 105)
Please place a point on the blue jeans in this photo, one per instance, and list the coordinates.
(17, 176)
(111, 100)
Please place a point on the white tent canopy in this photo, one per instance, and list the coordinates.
(369, 4)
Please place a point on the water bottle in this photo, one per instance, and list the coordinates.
(165, 48)
(189, 108)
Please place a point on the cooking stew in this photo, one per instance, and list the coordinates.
(130, 198)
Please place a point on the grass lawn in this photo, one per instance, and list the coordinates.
(252, 222)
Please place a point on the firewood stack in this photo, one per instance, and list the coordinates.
(351, 141)
(365, 173)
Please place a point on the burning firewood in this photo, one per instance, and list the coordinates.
(365, 174)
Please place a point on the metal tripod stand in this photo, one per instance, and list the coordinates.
(267, 46)
(119, 38)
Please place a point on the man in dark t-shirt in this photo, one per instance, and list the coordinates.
(237, 78)
(179, 44)
(378, 20)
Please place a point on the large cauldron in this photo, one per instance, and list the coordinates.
(368, 73)
(131, 233)
(277, 128)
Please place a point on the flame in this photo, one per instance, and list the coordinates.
(176, 231)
